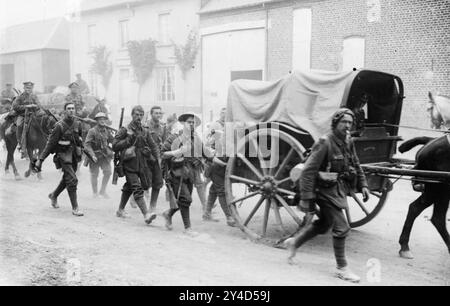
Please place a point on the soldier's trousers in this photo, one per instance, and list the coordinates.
(330, 217)
(68, 181)
(133, 185)
(19, 124)
(105, 165)
(183, 192)
(217, 190)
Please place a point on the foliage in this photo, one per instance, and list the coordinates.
(102, 65)
(143, 58)
(187, 54)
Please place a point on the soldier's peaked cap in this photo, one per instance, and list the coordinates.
(28, 83)
(74, 84)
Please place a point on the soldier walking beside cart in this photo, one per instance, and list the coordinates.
(182, 153)
(330, 173)
(138, 151)
(65, 141)
(97, 144)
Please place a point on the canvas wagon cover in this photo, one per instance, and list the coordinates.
(302, 99)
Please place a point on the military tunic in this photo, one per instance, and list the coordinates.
(189, 168)
(97, 144)
(159, 134)
(65, 141)
(137, 169)
(338, 156)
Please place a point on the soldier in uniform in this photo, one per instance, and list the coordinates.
(8, 93)
(333, 153)
(138, 151)
(159, 133)
(27, 100)
(182, 153)
(84, 88)
(65, 141)
(97, 144)
(75, 97)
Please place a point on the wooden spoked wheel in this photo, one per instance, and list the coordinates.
(360, 212)
(257, 182)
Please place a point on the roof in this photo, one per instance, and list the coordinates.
(99, 5)
(214, 6)
(37, 35)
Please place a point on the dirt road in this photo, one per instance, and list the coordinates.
(43, 246)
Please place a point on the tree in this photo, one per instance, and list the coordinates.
(186, 55)
(143, 59)
(102, 65)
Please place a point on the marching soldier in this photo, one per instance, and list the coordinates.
(182, 153)
(65, 141)
(334, 154)
(27, 100)
(8, 93)
(159, 133)
(97, 144)
(138, 151)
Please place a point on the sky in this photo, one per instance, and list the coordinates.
(20, 11)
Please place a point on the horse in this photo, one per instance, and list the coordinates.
(8, 135)
(433, 156)
(439, 109)
(40, 124)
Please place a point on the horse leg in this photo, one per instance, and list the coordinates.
(39, 174)
(438, 219)
(30, 155)
(415, 209)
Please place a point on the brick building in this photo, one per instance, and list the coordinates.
(408, 38)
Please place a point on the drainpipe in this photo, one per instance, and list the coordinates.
(266, 57)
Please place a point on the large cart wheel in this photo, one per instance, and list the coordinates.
(258, 185)
(360, 213)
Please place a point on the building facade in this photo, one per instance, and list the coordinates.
(268, 39)
(37, 52)
(113, 24)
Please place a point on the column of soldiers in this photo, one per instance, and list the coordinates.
(150, 152)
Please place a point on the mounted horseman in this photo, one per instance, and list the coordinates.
(23, 106)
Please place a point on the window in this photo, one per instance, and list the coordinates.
(164, 28)
(353, 53)
(166, 84)
(123, 32)
(301, 51)
(92, 39)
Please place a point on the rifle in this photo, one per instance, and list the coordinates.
(117, 155)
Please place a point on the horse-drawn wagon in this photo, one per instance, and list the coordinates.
(291, 114)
